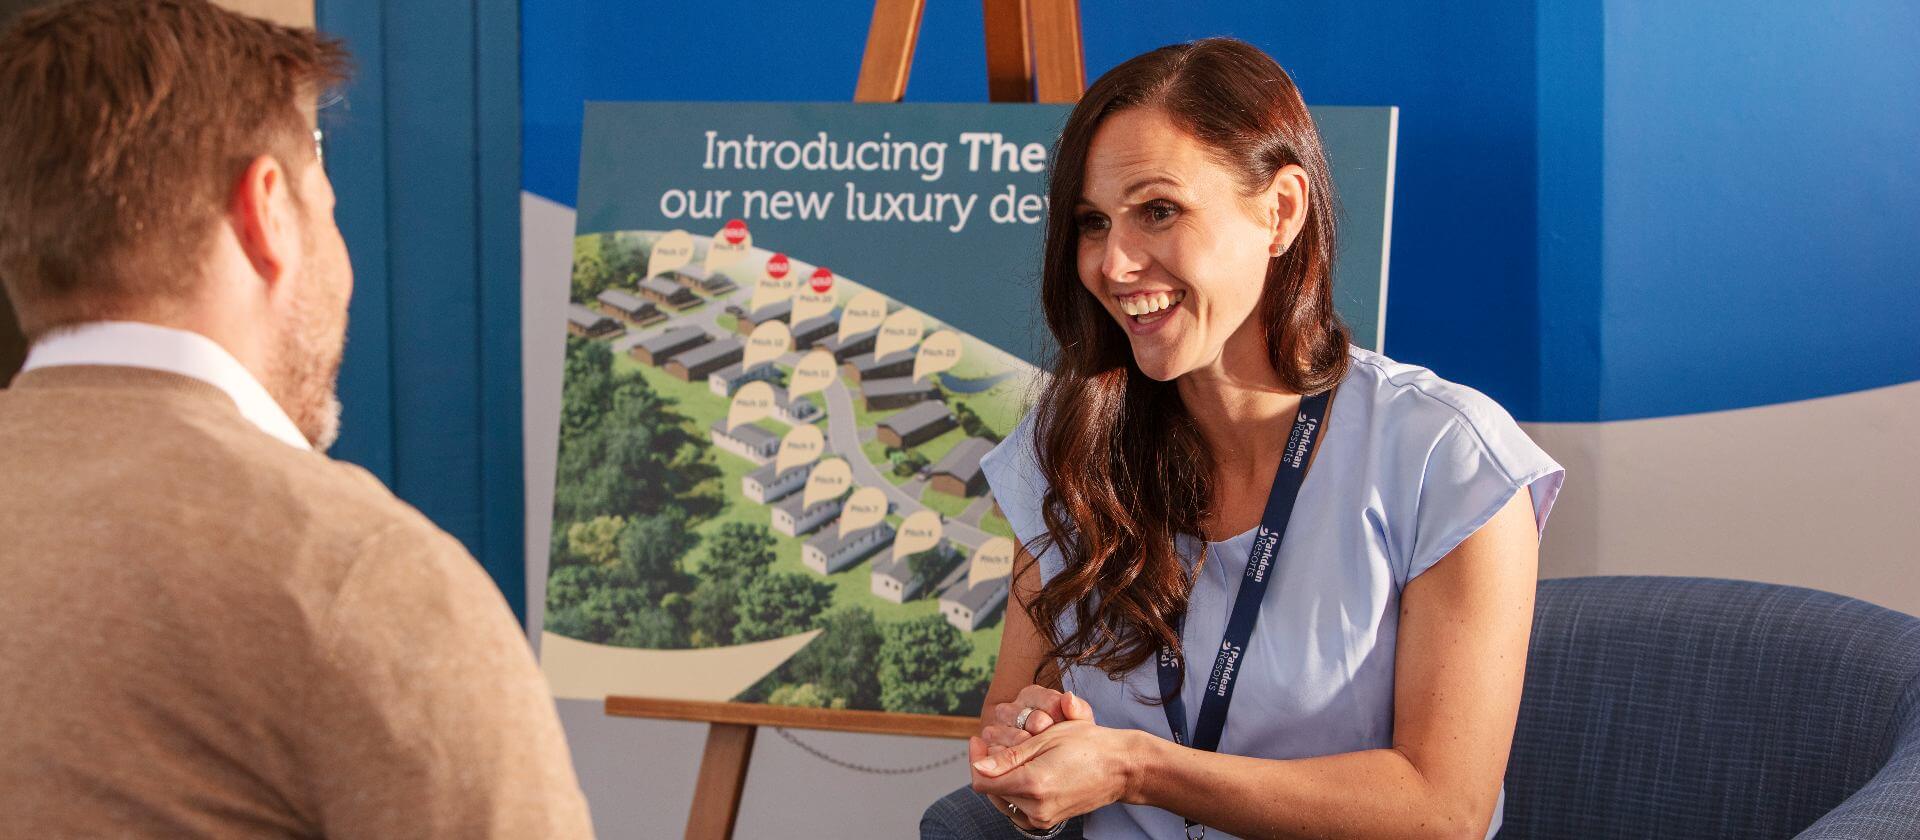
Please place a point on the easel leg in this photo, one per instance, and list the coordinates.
(723, 775)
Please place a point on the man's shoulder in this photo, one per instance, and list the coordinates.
(185, 456)
(324, 501)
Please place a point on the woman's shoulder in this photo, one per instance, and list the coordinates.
(1449, 457)
(1408, 393)
(1416, 408)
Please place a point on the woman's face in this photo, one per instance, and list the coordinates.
(1174, 250)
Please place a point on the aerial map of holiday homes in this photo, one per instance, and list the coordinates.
(769, 484)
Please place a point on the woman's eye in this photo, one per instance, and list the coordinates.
(1160, 211)
(1092, 222)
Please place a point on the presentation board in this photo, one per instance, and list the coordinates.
(794, 329)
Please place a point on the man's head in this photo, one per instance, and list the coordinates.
(158, 163)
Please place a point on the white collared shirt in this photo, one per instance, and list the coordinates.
(134, 344)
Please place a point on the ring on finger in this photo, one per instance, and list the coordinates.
(1020, 720)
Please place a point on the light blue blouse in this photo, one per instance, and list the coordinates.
(1411, 465)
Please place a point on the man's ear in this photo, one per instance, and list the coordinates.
(261, 211)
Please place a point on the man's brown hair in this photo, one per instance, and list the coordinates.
(124, 125)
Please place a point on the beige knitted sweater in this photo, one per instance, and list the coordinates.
(206, 632)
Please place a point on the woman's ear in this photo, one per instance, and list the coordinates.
(1285, 200)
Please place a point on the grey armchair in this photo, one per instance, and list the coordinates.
(1690, 707)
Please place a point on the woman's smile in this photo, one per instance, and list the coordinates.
(1144, 313)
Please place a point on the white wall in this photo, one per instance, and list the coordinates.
(1818, 493)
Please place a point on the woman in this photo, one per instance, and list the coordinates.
(1371, 691)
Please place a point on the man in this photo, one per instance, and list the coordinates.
(208, 628)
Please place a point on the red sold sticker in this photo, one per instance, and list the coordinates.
(777, 267)
(821, 281)
(735, 232)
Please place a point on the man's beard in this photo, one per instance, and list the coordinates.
(307, 372)
(328, 431)
(310, 352)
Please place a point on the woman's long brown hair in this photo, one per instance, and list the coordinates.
(1127, 469)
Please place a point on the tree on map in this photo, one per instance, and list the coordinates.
(631, 481)
(930, 566)
(971, 423)
(591, 603)
(589, 278)
(776, 604)
(740, 550)
(619, 599)
(602, 262)
(712, 610)
(595, 541)
(650, 549)
(841, 661)
(624, 448)
(806, 695)
(589, 387)
(736, 555)
(907, 463)
(923, 667)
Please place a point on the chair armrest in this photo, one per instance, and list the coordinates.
(1887, 807)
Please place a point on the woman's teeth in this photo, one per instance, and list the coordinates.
(1148, 304)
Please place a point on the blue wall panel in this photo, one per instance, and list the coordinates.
(1461, 296)
(1568, 190)
(1762, 203)
(502, 456)
(425, 154)
(356, 159)
(433, 260)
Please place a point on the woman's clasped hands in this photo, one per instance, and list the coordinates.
(1060, 764)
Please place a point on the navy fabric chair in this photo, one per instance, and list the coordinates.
(1691, 707)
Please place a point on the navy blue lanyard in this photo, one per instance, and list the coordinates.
(1309, 425)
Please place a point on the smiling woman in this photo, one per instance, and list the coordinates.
(1194, 173)
(1215, 473)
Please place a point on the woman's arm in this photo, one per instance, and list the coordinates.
(1022, 649)
(1022, 676)
(1459, 666)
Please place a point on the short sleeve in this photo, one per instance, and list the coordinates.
(1471, 472)
(1019, 487)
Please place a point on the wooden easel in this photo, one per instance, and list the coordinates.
(730, 732)
(1033, 54)
(1033, 51)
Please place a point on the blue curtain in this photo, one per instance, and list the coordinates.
(424, 152)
